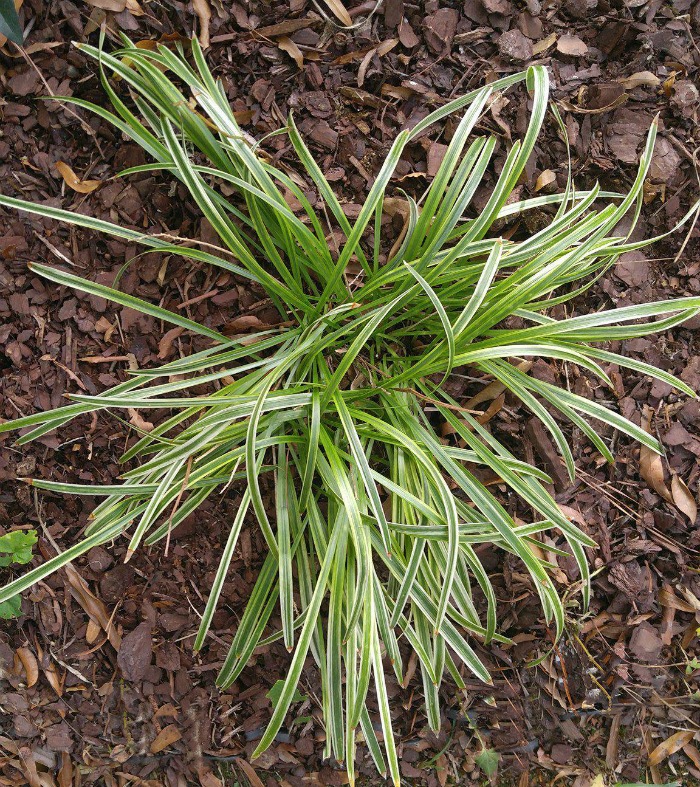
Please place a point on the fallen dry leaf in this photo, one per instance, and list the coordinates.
(92, 632)
(166, 342)
(614, 104)
(545, 179)
(74, 182)
(669, 82)
(667, 598)
(640, 79)
(394, 206)
(207, 778)
(683, 498)
(30, 664)
(203, 11)
(650, 465)
(543, 45)
(670, 746)
(92, 605)
(51, 674)
(65, 775)
(339, 11)
(572, 46)
(250, 772)
(29, 769)
(167, 736)
(494, 389)
(139, 422)
(692, 752)
(115, 6)
(287, 45)
(386, 46)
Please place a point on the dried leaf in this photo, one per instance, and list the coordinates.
(544, 44)
(683, 498)
(494, 389)
(207, 778)
(92, 605)
(167, 736)
(281, 28)
(569, 107)
(165, 345)
(545, 179)
(670, 746)
(203, 11)
(74, 182)
(115, 6)
(93, 631)
(137, 420)
(287, 45)
(65, 775)
(396, 206)
(364, 65)
(572, 46)
(669, 82)
(29, 769)
(51, 673)
(640, 79)
(650, 465)
(339, 11)
(667, 598)
(386, 46)
(250, 772)
(692, 753)
(30, 664)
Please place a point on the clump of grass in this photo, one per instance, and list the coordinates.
(376, 519)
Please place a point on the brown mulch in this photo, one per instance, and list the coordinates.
(138, 706)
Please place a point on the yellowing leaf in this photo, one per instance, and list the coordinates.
(74, 182)
(683, 498)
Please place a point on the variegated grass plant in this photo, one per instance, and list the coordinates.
(376, 519)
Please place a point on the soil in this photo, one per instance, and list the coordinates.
(617, 700)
